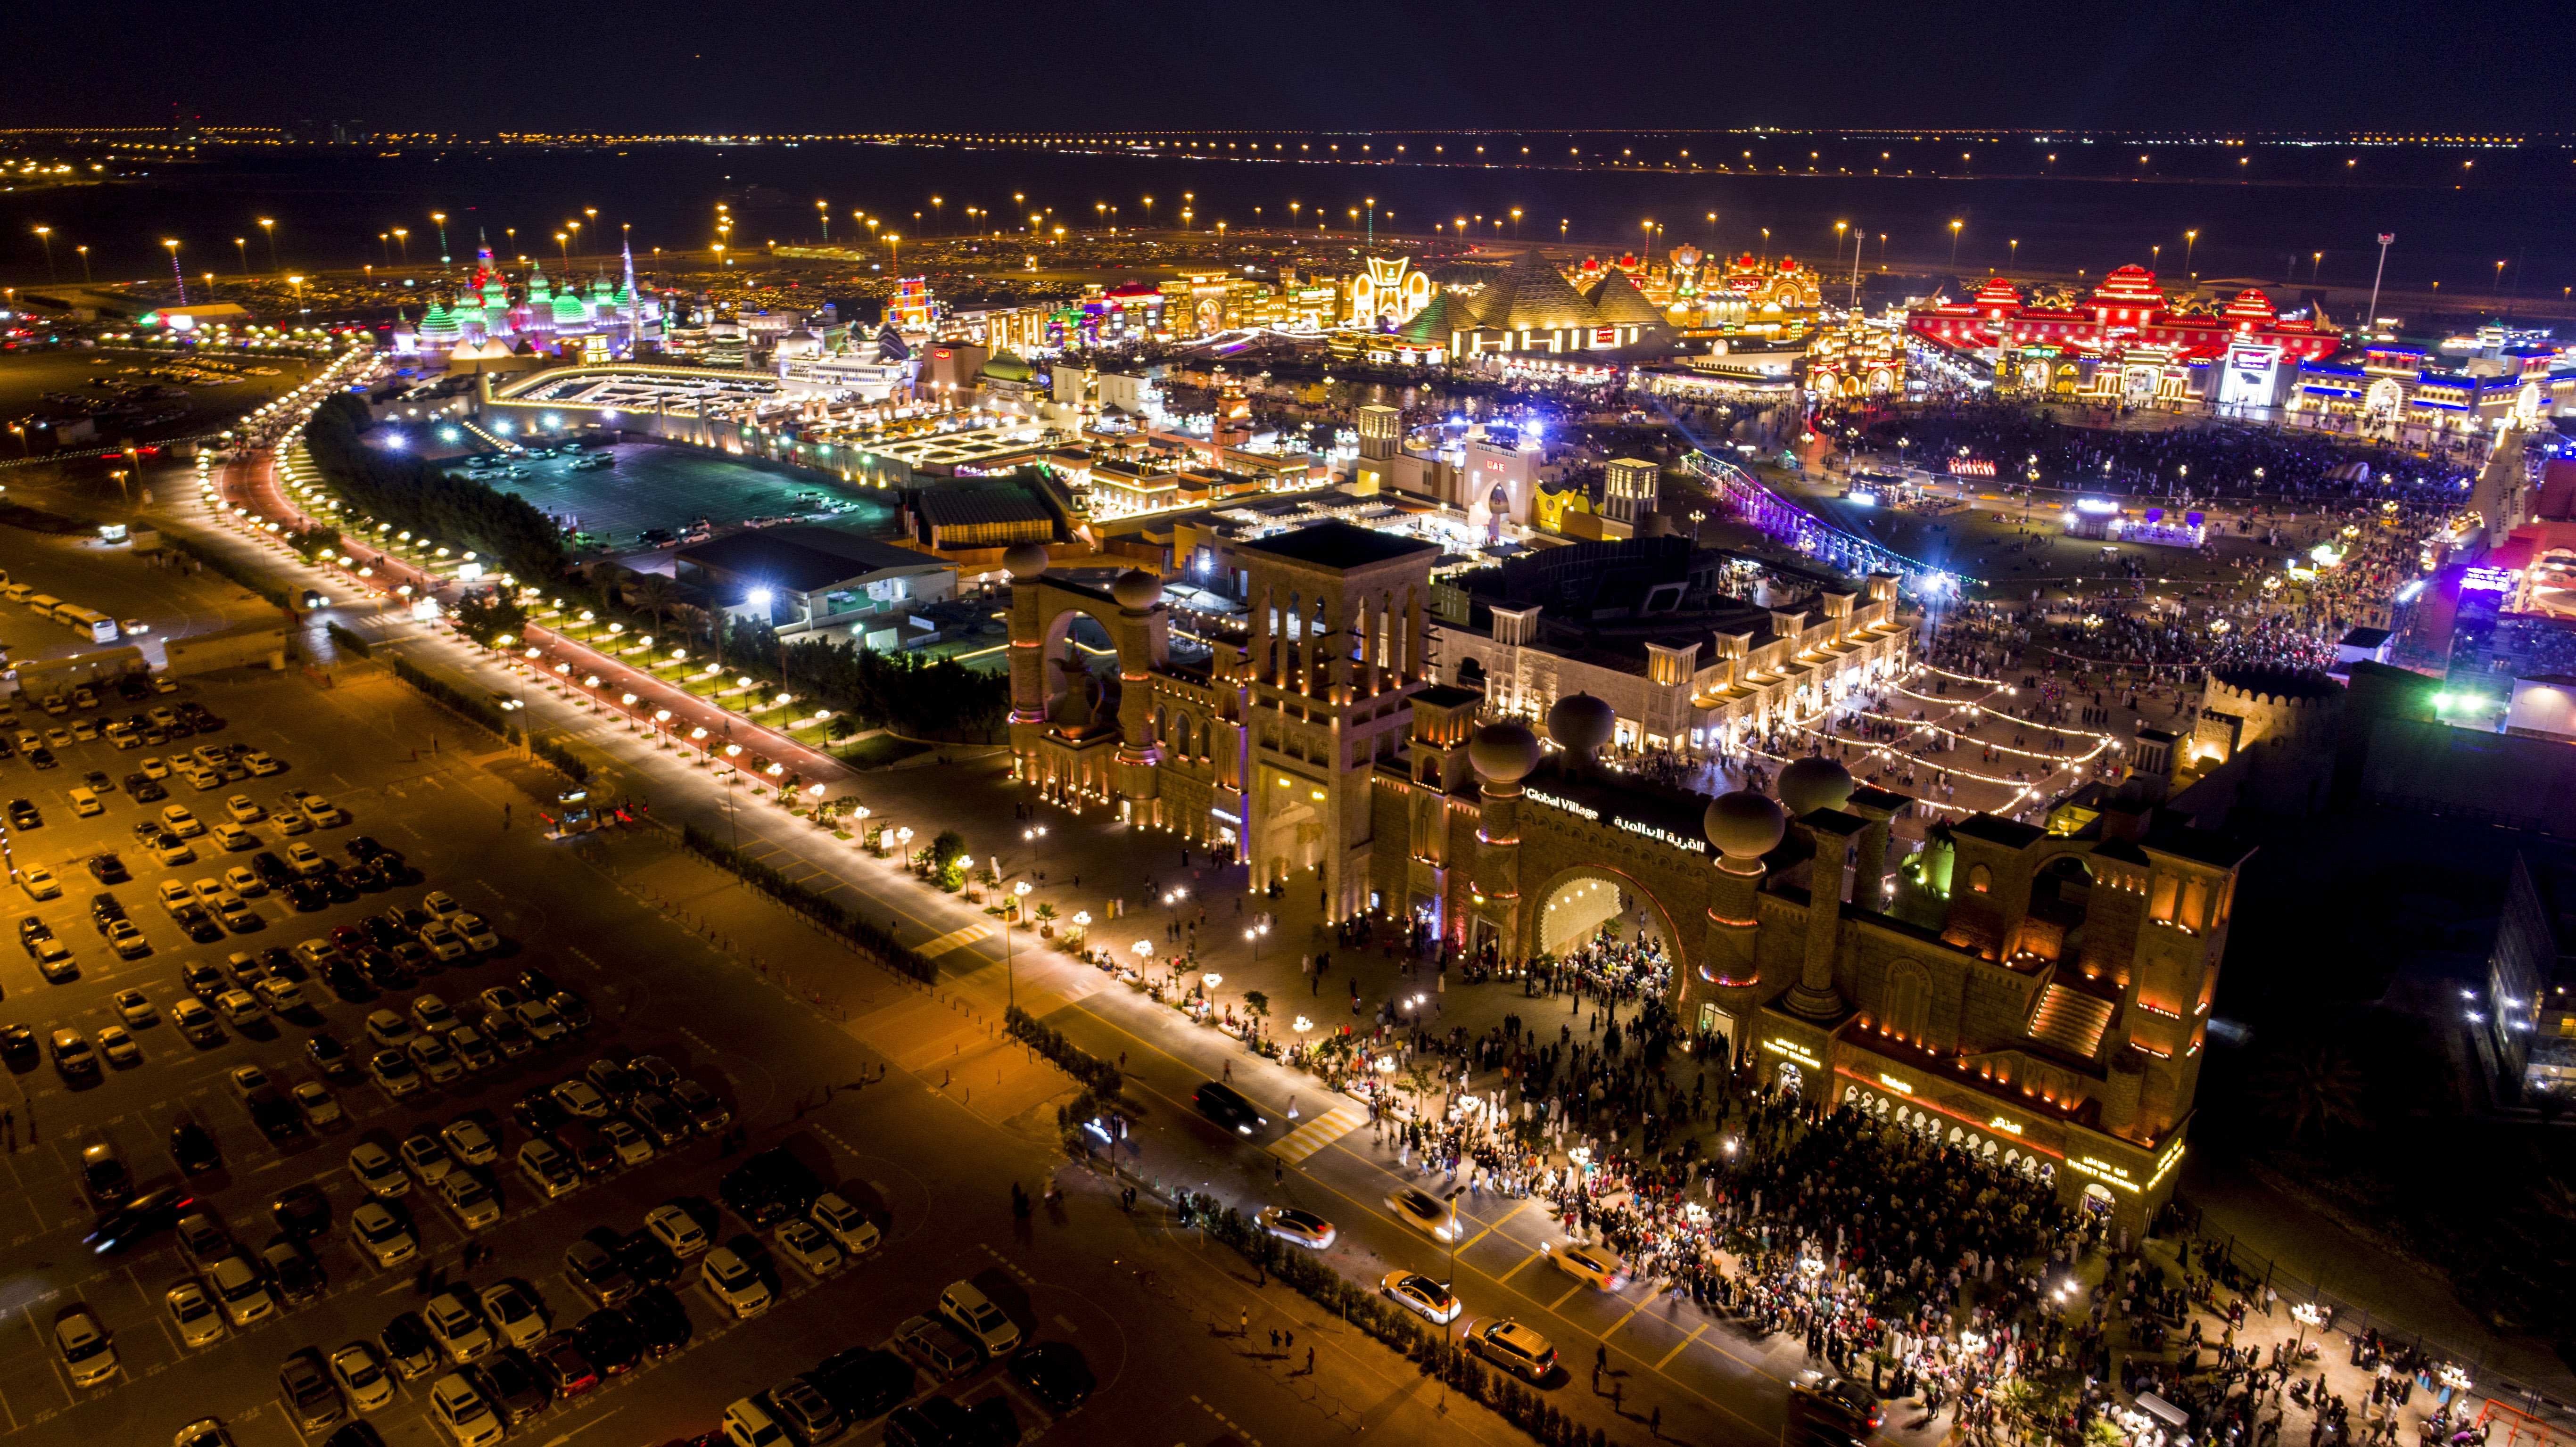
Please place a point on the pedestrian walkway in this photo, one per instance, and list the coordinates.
(1346, 1116)
(932, 949)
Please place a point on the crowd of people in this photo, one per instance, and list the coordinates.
(2207, 459)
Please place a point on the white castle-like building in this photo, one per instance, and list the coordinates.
(492, 315)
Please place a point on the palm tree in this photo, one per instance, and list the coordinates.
(655, 594)
(2311, 1085)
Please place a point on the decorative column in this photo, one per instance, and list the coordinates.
(1502, 754)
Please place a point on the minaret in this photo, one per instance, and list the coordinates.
(634, 303)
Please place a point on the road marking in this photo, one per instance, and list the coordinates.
(1569, 1296)
(932, 948)
(1677, 1346)
(1499, 1222)
(1345, 1116)
(561, 1438)
(1524, 1261)
(1623, 1321)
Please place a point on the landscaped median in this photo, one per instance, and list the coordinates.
(829, 913)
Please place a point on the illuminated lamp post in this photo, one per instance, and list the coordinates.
(45, 234)
(1954, 241)
(268, 227)
(182, 277)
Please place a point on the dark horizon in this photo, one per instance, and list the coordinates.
(813, 69)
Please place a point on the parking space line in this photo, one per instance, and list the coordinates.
(1569, 1296)
(1623, 1321)
(1677, 1346)
(1516, 1266)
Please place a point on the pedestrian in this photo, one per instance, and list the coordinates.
(1289, 1337)
(1243, 1323)
(1274, 1338)
(1229, 1072)
(1655, 1424)
(1310, 1361)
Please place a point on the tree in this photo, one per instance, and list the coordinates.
(1259, 1004)
(948, 860)
(314, 541)
(484, 617)
(652, 593)
(2312, 1085)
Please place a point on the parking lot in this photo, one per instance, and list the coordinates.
(561, 917)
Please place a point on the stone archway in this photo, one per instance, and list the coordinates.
(1536, 935)
(1133, 616)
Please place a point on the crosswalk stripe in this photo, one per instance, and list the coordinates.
(1345, 1117)
(952, 940)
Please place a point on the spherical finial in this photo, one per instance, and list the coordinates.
(1744, 825)
(1503, 753)
(1137, 590)
(1581, 723)
(1025, 560)
(1814, 783)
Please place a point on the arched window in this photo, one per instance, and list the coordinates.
(1980, 878)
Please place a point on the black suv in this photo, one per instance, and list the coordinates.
(1227, 1107)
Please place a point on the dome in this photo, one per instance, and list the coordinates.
(1744, 825)
(1503, 753)
(1025, 560)
(1137, 590)
(1581, 723)
(1814, 783)
(1008, 366)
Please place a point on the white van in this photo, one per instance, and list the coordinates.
(85, 802)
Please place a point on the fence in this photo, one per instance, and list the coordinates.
(2240, 1268)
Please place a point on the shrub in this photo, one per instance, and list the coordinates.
(830, 914)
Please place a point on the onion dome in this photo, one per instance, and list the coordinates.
(440, 324)
(1814, 783)
(1025, 560)
(1503, 753)
(1137, 590)
(1744, 825)
(569, 308)
(1581, 723)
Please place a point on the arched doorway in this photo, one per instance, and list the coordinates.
(1607, 928)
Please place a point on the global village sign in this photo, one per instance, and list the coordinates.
(1655, 832)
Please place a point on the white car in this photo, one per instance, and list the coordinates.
(87, 1353)
(476, 931)
(425, 1158)
(305, 860)
(313, 1098)
(461, 1412)
(507, 1308)
(173, 895)
(1419, 1293)
(281, 995)
(322, 812)
(261, 765)
(39, 882)
(458, 1327)
(470, 1141)
(547, 1169)
(244, 883)
(243, 811)
(239, 1286)
(1599, 1265)
(1425, 1212)
(233, 839)
(388, 1029)
(442, 904)
(855, 1233)
(377, 1171)
(193, 1315)
(151, 765)
(378, 1235)
(629, 1143)
(975, 1314)
(732, 1282)
(1303, 1227)
(244, 1079)
(675, 1228)
(134, 1007)
(580, 1098)
(442, 944)
(432, 1014)
(804, 1243)
(472, 1201)
(362, 1376)
(180, 820)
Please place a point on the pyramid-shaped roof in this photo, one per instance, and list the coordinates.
(1617, 302)
(1533, 296)
(1443, 317)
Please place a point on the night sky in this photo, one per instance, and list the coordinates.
(659, 66)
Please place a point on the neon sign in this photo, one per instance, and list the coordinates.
(2485, 580)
